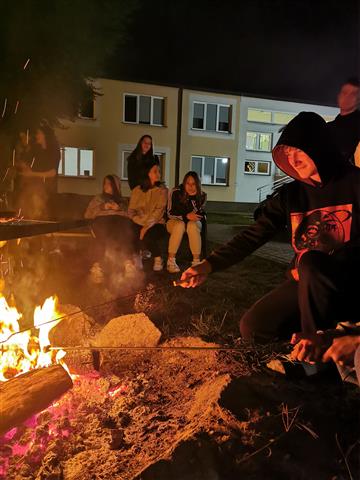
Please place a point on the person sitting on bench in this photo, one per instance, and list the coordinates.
(186, 214)
(113, 229)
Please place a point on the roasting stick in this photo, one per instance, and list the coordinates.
(130, 347)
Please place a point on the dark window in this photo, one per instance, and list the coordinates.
(211, 117)
(130, 108)
(199, 113)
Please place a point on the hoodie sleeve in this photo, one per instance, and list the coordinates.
(158, 208)
(272, 219)
(95, 208)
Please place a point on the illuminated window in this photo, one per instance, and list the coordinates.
(257, 167)
(257, 141)
(76, 162)
(269, 116)
(211, 170)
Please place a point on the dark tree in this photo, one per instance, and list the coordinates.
(49, 51)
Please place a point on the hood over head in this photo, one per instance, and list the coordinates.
(308, 132)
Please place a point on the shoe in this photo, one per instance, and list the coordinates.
(96, 273)
(130, 268)
(195, 262)
(172, 266)
(158, 264)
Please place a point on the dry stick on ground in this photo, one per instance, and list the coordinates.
(345, 457)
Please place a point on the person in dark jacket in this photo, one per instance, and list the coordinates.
(321, 208)
(114, 231)
(139, 159)
(345, 129)
(186, 214)
(37, 176)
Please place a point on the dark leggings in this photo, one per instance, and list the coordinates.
(324, 295)
(116, 234)
(153, 239)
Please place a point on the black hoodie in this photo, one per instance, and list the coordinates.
(320, 216)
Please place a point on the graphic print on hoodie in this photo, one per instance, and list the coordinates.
(319, 215)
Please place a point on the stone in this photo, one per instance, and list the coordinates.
(134, 330)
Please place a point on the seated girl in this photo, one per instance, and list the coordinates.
(147, 210)
(186, 214)
(112, 228)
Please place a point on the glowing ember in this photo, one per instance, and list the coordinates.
(20, 351)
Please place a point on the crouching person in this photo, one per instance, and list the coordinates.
(186, 214)
(147, 210)
(116, 240)
(321, 209)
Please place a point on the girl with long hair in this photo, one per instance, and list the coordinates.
(114, 231)
(186, 214)
(138, 159)
(147, 210)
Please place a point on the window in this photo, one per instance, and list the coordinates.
(268, 116)
(256, 167)
(211, 117)
(76, 162)
(257, 141)
(211, 170)
(144, 109)
(124, 162)
(87, 109)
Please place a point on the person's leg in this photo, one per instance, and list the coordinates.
(274, 316)
(176, 228)
(153, 238)
(193, 230)
(326, 289)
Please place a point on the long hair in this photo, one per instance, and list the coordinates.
(116, 188)
(50, 137)
(137, 152)
(184, 196)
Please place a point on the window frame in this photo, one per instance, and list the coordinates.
(268, 162)
(78, 155)
(82, 117)
(216, 158)
(152, 98)
(257, 149)
(123, 152)
(218, 105)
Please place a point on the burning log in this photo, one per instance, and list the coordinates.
(23, 396)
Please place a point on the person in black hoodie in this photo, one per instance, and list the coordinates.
(139, 159)
(321, 208)
(346, 126)
(186, 214)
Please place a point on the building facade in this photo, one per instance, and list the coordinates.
(226, 138)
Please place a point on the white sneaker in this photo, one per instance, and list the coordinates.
(130, 268)
(195, 262)
(96, 273)
(172, 266)
(158, 264)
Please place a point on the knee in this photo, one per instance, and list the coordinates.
(178, 226)
(193, 227)
(247, 330)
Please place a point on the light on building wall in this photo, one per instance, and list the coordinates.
(225, 160)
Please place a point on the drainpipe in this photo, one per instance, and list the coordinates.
(178, 137)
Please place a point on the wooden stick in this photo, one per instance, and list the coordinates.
(30, 393)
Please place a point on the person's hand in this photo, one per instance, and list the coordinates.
(309, 348)
(195, 276)
(143, 232)
(342, 350)
(193, 217)
(111, 206)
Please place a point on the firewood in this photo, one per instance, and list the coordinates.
(30, 393)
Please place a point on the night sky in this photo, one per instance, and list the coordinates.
(294, 49)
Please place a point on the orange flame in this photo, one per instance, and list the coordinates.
(21, 351)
